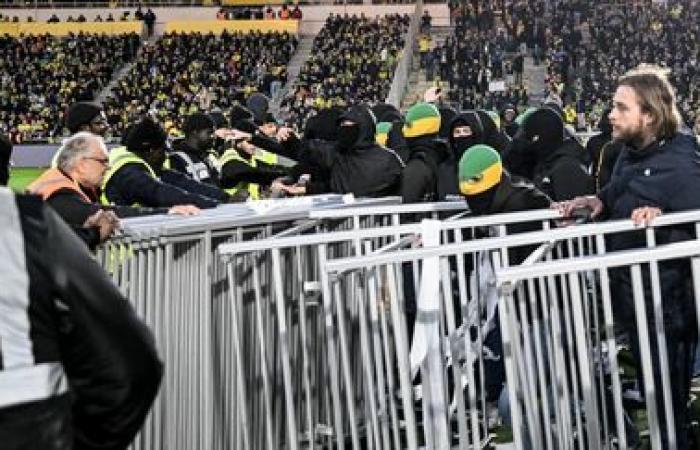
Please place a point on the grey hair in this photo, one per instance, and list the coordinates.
(74, 147)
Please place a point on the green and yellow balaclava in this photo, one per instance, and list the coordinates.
(480, 169)
(382, 135)
(422, 119)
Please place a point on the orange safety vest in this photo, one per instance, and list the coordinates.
(52, 181)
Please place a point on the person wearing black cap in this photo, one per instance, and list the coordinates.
(5, 155)
(191, 155)
(136, 174)
(85, 116)
(555, 163)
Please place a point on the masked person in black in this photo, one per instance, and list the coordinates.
(354, 164)
(193, 154)
(554, 163)
(465, 131)
(419, 180)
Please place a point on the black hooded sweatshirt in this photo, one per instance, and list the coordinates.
(364, 169)
(419, 180)
(448, 183)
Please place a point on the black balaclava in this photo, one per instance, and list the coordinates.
(481, 203)
(544, 132)
(447, 115)
(348, 136)
(460, 145)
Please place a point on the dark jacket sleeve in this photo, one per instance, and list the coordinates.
(234, 172)
(415, 182)
(71, 208)
(570, 180)
(132, 184)
(108, 353)
(182, 181)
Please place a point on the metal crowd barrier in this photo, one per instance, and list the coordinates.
(170, 269)
(559, 342)
(329, 357)
(559, 320)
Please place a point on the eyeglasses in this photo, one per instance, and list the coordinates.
(103, 161)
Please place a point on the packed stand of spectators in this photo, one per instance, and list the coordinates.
(187, 72)
(582, 73)
(284, 12)
(352, 61)
(475, 55)
(42, 75)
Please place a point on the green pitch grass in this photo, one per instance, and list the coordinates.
(21, 177)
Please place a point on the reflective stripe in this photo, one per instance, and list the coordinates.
(252, 188)
(118, 158)
(15, 340)
(33, 383)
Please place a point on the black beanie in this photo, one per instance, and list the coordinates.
(447, 115)
(258, 104)
(5, 154)
(145, 135)
(80, 114)
(197, 122)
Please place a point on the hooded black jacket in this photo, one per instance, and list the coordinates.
(77, 318)
(365, 170)
(562, 174)
(448, 183)
(419, 180)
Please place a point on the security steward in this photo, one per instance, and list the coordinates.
(193, 155)
(136, 175)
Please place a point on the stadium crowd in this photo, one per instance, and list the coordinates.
(352, 60)
(42, 75)
(186, 72)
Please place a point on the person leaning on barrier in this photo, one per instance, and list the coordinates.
(72, 189)
(419, 179)
(78, 369)
(354, 164)
(553, 161)
(136, 175)
(489, 189)
(245, 169)
(657, 172)
(192, 155)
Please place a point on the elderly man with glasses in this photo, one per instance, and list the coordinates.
(72, 190)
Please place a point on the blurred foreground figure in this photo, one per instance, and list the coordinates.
(78, 370)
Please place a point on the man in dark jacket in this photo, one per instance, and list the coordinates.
(489, 189)
(657, 172)
(554, 163)
(419, 180)
(79, 370)
(136, 175)
(72, 189)
(354, 164)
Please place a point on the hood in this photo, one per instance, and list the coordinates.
(492, 136)
(447, 115)
(386, 112)
(570, 147)
(543, 130)
(361, 115)
(323, 125)
(436, 149)
(472, 119)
